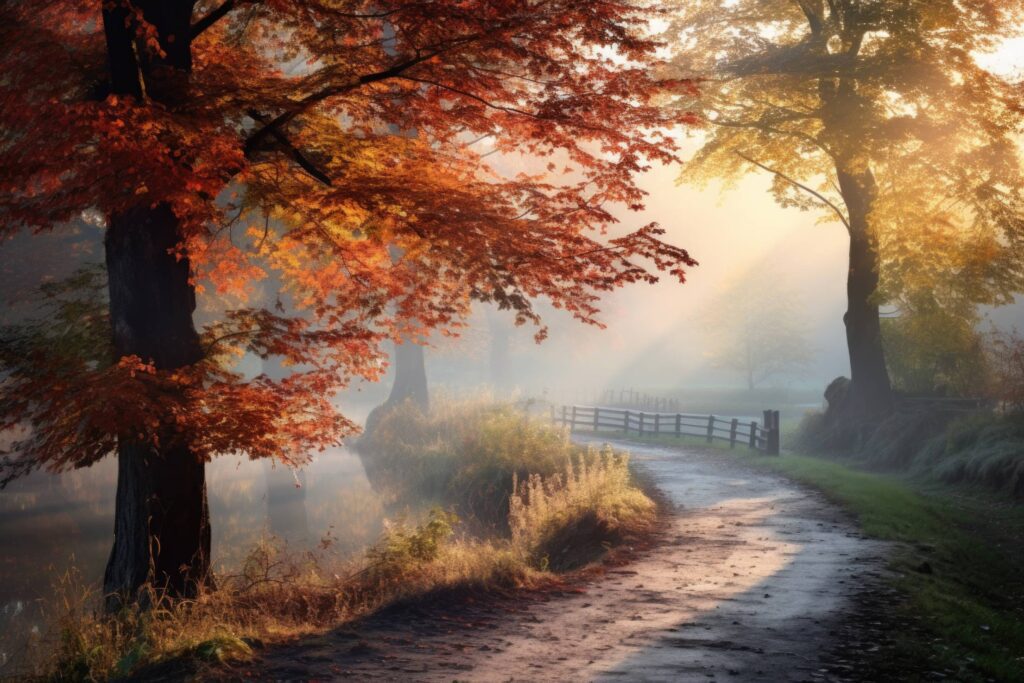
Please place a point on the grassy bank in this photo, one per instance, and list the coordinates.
(982, 449)
(516, 504)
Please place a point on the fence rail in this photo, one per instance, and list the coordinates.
(762, 436)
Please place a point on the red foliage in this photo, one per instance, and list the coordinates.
(292, 111)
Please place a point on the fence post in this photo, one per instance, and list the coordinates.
(572, 427)
(597, 417)
(554, 420)
(625, 422)
(773, 436)
(711, 427)
(565, 419)
(753, 435)
(732, 432)
(641, 423)
(657, 423)
(679, 425)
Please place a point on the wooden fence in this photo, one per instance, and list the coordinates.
(762, 436)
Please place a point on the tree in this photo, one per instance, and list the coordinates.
(878, 114)
(931, 350)
(756, 328)
(184, 126)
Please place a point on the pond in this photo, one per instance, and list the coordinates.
(53, 524)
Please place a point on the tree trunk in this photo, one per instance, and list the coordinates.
(161, 523)
(410, 376)
(870, 392)
(161, 516)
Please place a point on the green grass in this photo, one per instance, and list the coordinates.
(972, 600)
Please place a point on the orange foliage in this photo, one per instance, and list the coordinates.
(331, 146)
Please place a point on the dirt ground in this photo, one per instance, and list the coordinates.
(754, 581)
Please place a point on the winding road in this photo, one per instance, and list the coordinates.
(751, 583)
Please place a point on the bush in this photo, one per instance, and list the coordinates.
(567, 520)
(985, 448)
(462, 454)
(982, 449)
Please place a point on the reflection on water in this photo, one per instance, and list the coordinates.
(50, 523)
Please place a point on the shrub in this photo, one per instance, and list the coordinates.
(569, 519)
(572, 505)
(982, 449)
(403, 549)
(462, 454)
(985, 448)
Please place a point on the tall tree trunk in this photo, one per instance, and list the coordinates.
(161, 518)
(870, 392)
(410, 376)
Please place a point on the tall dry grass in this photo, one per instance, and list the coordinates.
(567, 519)
(276, 596)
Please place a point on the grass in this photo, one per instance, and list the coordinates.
(959, 557)
(565, 521)
(561, 507)
(275, 597)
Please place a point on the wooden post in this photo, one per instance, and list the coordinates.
(679, 425)
(625, 422)
(597, 418)
(753, 434)
(641, 423)
(711, 428)
(564, 418)
(773, 435)
(657, 423)
(553, 418)
(766, 427)
(572, 427)
(732, 432)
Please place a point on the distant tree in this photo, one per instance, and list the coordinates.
(756, 328)
(181, 124)
(877, 113)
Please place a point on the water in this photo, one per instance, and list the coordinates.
(50, 524)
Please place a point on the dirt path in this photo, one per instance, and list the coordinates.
(751, 584)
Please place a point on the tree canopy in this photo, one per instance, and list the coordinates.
(243, 111)
(877, 115)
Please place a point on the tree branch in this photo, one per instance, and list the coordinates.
(332, 91)
(817, 195)
(213, 17)
(301, 159)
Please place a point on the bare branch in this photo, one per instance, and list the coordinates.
(817, 195)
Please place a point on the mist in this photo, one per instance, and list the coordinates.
(215, 460)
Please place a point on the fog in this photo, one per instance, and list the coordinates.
(657, 340)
